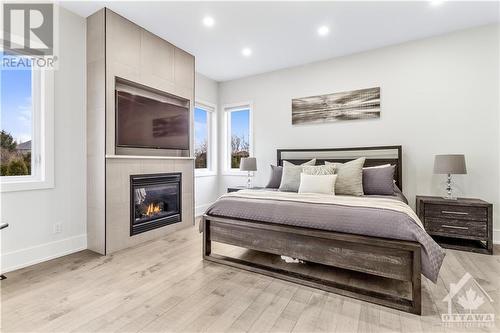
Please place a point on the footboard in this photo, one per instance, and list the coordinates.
(379, 257)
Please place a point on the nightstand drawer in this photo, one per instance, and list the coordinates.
(457, 228)
(457, 212)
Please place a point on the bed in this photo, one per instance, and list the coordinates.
(363, 239)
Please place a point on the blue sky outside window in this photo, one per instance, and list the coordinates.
(240, 124)
(16, 117)
(16, 120)
(240, 136)
(200, 138)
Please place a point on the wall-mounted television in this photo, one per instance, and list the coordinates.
(148, 119)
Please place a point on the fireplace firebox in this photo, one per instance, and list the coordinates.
(155, 201)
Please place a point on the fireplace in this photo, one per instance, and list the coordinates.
(155, 201)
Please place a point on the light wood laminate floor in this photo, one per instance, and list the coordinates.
(164, 286)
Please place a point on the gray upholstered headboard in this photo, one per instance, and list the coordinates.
(374, 156)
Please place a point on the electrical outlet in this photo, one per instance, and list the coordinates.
(57, 228)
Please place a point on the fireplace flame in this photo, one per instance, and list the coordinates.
(153, 209)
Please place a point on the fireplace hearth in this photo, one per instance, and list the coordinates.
(155, 201)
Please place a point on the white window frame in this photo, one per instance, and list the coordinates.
(211, 169)
(228, 108)
(42, 141)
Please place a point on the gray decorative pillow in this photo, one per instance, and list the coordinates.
(335, 164)
(317, 170)
(311, 162)
(290, 181)
(379, 180)
(350, 177)
(275, 179)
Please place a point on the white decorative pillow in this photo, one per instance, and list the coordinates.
(377, 166)
(324, 184)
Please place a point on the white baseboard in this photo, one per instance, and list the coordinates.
(40, 253)
(496, 236)
(199, 210)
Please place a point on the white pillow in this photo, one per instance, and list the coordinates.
(377, 166)
(324, 184)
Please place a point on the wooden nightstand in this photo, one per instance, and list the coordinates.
(462, 224)
(239, 188)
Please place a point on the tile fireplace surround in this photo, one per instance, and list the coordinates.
(119, 49)
(118, 172)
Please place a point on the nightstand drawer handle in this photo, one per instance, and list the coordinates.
(455, 213)
(454, 227)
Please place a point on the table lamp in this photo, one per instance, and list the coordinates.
(248, 164)
(452, 164)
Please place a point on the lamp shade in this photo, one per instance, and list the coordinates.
(248, 164)
(452, 164)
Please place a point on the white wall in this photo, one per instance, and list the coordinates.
(439, 95)
(32, 214)
(206, 187)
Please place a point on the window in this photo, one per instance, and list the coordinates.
(26, 160)
(204, 147)
(17, 122)
(238, 134)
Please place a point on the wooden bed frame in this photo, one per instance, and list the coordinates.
(394, 260)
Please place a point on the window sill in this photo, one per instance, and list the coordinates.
(25, 185)
(204, 173)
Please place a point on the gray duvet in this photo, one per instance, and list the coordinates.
(367, 221)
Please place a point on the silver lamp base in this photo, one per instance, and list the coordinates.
(449, 190)
(249, 180)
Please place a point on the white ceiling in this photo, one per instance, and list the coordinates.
(283, 34)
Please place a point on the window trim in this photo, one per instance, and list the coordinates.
(42, 141)
(228, 108)
(211, 169)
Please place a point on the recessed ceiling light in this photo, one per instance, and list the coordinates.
(436, 3)
(208, 21)
(246, 51)
(323, 30)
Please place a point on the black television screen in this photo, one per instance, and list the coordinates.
(143, 122)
